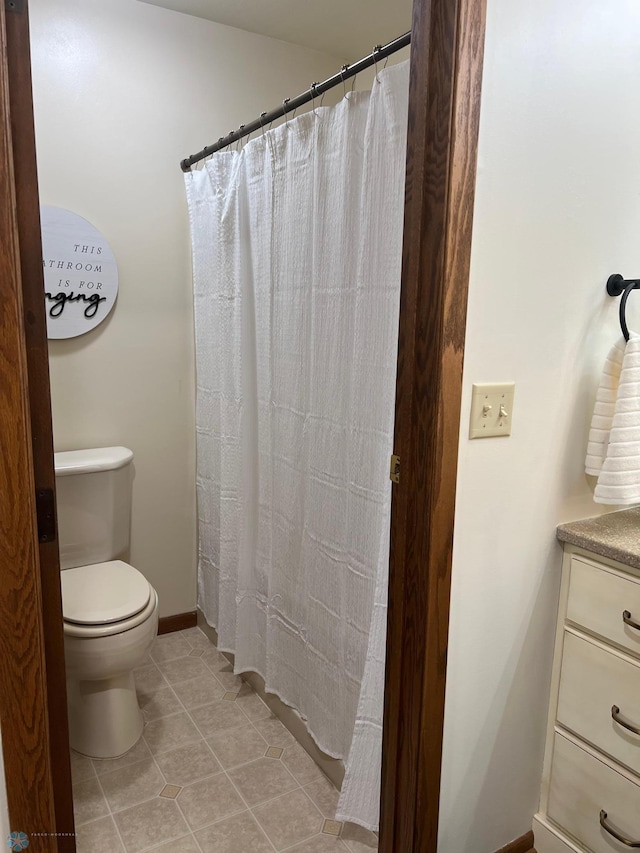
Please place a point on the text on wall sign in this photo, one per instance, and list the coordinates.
(80, 274)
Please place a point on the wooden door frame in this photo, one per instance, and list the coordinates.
(447, 50)
(39, 795)
(444, 106)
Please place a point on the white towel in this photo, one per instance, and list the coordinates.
(613, 452)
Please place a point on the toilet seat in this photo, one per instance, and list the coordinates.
(72, 629)
(105, 598)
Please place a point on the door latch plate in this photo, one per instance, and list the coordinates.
(46, 514)
(14, 6)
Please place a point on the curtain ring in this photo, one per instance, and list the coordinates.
(285, 104)
(343, 71)
(313, 97)
(239, 139)
(262, 115)
(376, 50)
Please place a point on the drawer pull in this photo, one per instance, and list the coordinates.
(628, 842)
(626, 618)
(622, 721)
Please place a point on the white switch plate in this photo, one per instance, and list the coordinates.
(491, 409)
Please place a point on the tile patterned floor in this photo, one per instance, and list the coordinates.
(214, 772)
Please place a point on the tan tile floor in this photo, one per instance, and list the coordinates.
(214, 771)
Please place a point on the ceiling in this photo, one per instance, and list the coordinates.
(347, 29)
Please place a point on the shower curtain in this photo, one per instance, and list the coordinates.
(296, 246)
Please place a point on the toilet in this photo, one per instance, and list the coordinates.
(110, 610)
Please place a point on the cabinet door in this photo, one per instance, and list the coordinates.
(593, 682)
(599, 600)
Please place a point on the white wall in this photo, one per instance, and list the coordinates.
(557, 211)
(123, 91)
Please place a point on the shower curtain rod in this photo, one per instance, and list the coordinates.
(290, 104)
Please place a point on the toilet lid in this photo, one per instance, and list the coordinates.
(103, 593)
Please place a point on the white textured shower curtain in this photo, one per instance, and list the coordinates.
(297, 244)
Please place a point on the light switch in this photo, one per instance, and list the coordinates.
(491, 409)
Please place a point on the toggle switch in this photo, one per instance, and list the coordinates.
(491, 409)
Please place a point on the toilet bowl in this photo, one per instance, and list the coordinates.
(110, 610)
(110, 622)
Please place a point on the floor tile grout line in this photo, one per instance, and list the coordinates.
(196, 842)
(164, 841)
(317, 835)
(298, 785)
(172, 748)
(218, 772)
(113, 820)
(186, 820)
(179, 838)
(222, 770)
(213, 672)
(175, 800)
(248, 808)
(191, 831)
(247, 720)
(118, 833)
(198, 707)
(322, 817)
(230, 780)
(223, 819)
(271, 799)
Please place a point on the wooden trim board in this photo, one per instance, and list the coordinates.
(24, 707)
(35, 330)
(444, 111)
(177, 622)
(524, 844)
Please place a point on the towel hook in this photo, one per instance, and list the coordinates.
(616, 286)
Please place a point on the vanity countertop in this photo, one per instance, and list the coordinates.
(615, 535)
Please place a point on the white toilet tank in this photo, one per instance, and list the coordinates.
(93, 489)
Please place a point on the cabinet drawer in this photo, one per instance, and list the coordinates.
(597, 601)
(593, 680)
(581, 786)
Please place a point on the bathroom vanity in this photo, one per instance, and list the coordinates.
(590, 799)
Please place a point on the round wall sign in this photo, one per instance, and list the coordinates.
(80, 274)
